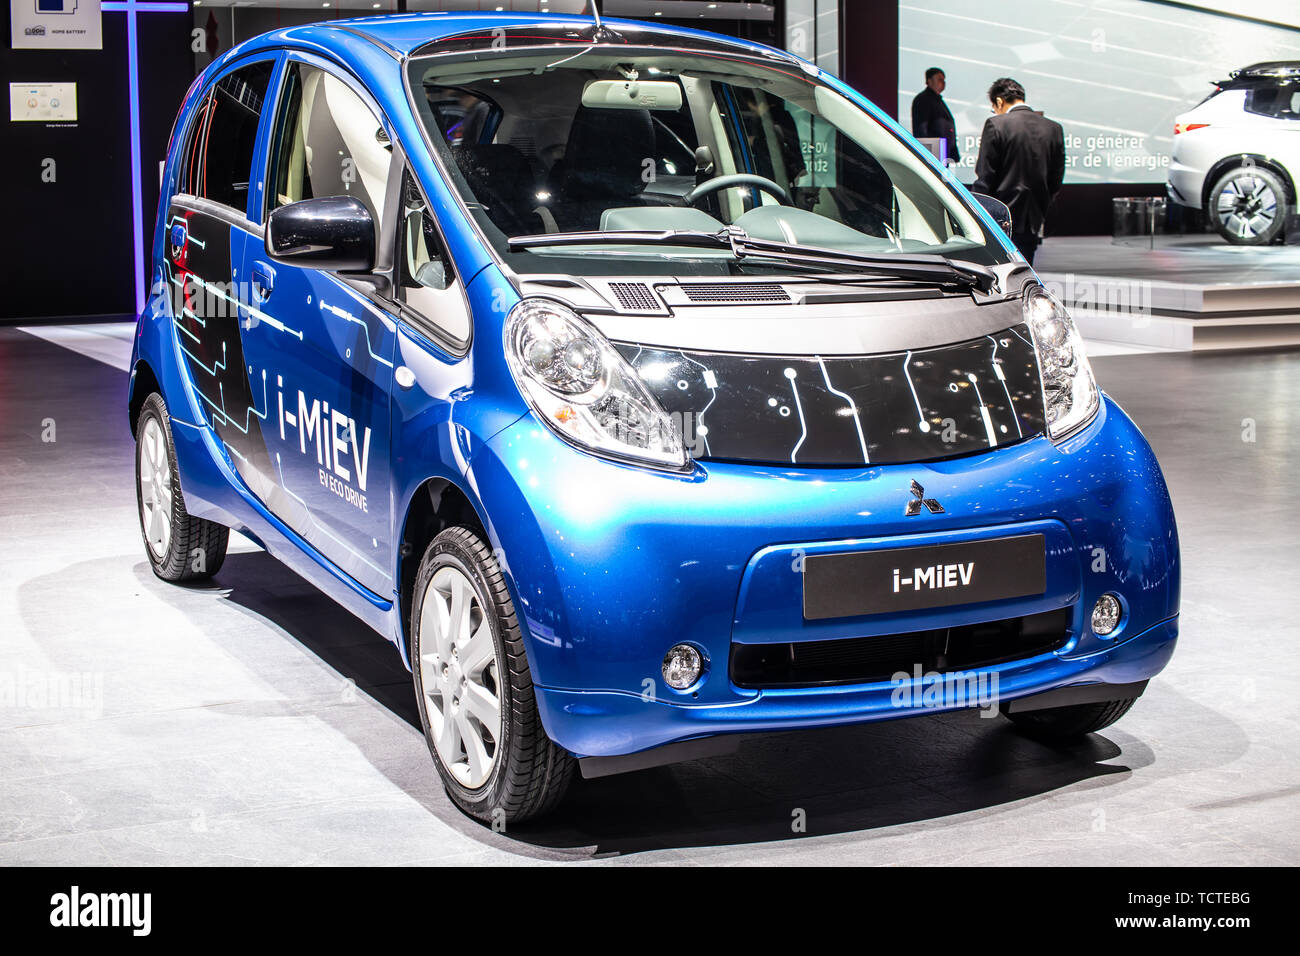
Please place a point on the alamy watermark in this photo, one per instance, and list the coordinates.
(1105, 296)
(932, 689)
(31, 689)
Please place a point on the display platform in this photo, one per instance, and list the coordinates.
(1186, 293)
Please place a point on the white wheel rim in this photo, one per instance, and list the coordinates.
(1247, 207)
(458, 675)
(155, 488)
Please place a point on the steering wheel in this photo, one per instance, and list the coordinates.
(736, 179)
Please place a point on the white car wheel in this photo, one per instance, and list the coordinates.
(458, 671)
(179, 546)
(1248, 206)
(155, 489)
(474, 688)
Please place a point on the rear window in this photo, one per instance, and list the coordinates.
(463, 118)
(219, 151)
(1279, 101)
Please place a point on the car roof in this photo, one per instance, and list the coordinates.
(404, 34)
(1271, 68)
(1258, 74)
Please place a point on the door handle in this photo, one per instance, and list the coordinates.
(263, 280)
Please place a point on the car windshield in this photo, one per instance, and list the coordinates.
(548, 142)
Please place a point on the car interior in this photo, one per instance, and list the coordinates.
(332, 143)
(628, 146)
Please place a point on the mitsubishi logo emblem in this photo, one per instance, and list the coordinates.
(918, 499)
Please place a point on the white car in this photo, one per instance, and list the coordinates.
(1236, 155)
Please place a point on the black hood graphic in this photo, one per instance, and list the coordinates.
(909, 406)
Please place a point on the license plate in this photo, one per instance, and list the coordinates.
(909, 579)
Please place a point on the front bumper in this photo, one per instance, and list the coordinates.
(610, 565)
(606, 724)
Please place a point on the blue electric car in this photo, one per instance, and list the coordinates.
(646, 388)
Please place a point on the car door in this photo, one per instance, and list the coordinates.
(207, 222)
(321, 345)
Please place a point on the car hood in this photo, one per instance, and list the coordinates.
(819, 372)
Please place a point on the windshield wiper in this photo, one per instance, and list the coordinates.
(624, 237)
(924, 267)
(921, 267)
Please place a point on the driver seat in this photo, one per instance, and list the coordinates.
(603, 166)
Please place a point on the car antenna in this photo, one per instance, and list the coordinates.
(600, 33)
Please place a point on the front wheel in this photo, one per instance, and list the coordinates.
(474, 689)
(180, 546)
(1246, 206)
(1059, 724)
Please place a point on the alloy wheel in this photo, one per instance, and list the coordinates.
(458, 674)
(1247, 206)
(155, 488)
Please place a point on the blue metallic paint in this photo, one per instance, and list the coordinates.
(605, 723)
(730, 577)
(608, 564)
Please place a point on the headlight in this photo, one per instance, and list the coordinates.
(584, 390)
(1069, 390)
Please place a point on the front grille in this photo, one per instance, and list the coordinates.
(737, 292)
(865, 660)
(634, 295)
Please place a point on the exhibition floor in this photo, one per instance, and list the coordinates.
(252, 721)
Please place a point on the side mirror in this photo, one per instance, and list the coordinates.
(997, 209)
(335, 233)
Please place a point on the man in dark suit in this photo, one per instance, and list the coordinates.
(1021, 162)
(931, 116)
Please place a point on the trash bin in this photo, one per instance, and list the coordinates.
(1137, 220)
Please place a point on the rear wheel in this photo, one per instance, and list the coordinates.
(474, 689)
(180, 546)
(1247, 206)
(1069, 723)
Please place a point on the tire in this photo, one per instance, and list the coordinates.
(1247, 206)
(1059, 724)
(180, 547)
(525, 774)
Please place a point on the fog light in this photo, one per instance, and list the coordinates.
(1105, 615)
(682, 666)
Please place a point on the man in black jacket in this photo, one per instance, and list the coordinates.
(931, 116)
(1021, 162)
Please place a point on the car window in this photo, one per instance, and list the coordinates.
(219, 153)
(1279, 101)
(824, 171)
(328, 143)
(424, 269)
